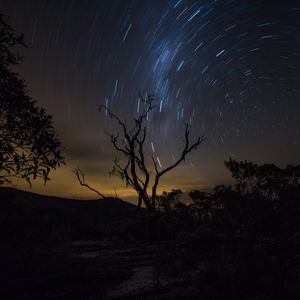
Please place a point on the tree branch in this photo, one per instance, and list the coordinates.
(81, 178)
(187, 149)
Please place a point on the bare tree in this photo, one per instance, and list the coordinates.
(134, 169)
(131, 145)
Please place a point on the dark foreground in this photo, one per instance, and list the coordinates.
(64, 249)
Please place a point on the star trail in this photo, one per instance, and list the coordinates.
(228, 68)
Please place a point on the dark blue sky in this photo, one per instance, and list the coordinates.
(231, 68)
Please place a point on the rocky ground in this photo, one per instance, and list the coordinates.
(104, 269)
(115, 269)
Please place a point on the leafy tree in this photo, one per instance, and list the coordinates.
(29, 146)
(266, 179)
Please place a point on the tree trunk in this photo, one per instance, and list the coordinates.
(139, 201)
(146, 201)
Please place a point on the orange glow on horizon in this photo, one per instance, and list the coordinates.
(64, 184)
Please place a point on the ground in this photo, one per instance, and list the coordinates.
(65, 249)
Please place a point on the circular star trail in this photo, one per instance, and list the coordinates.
(231, 68)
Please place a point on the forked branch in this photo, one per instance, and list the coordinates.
(187, 149)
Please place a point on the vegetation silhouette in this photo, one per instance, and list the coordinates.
(29, 146)
(251, 228)
(230, 243)
(135, 169)
(263, 199)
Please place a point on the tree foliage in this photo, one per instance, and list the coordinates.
(266, 179)
(29, 146)
(264, 198)
(169, 200)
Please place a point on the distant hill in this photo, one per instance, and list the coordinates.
(17, 201)
(34, 218)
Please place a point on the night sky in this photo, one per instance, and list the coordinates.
(231, 68)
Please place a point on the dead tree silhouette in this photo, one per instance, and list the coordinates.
(134, 169)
